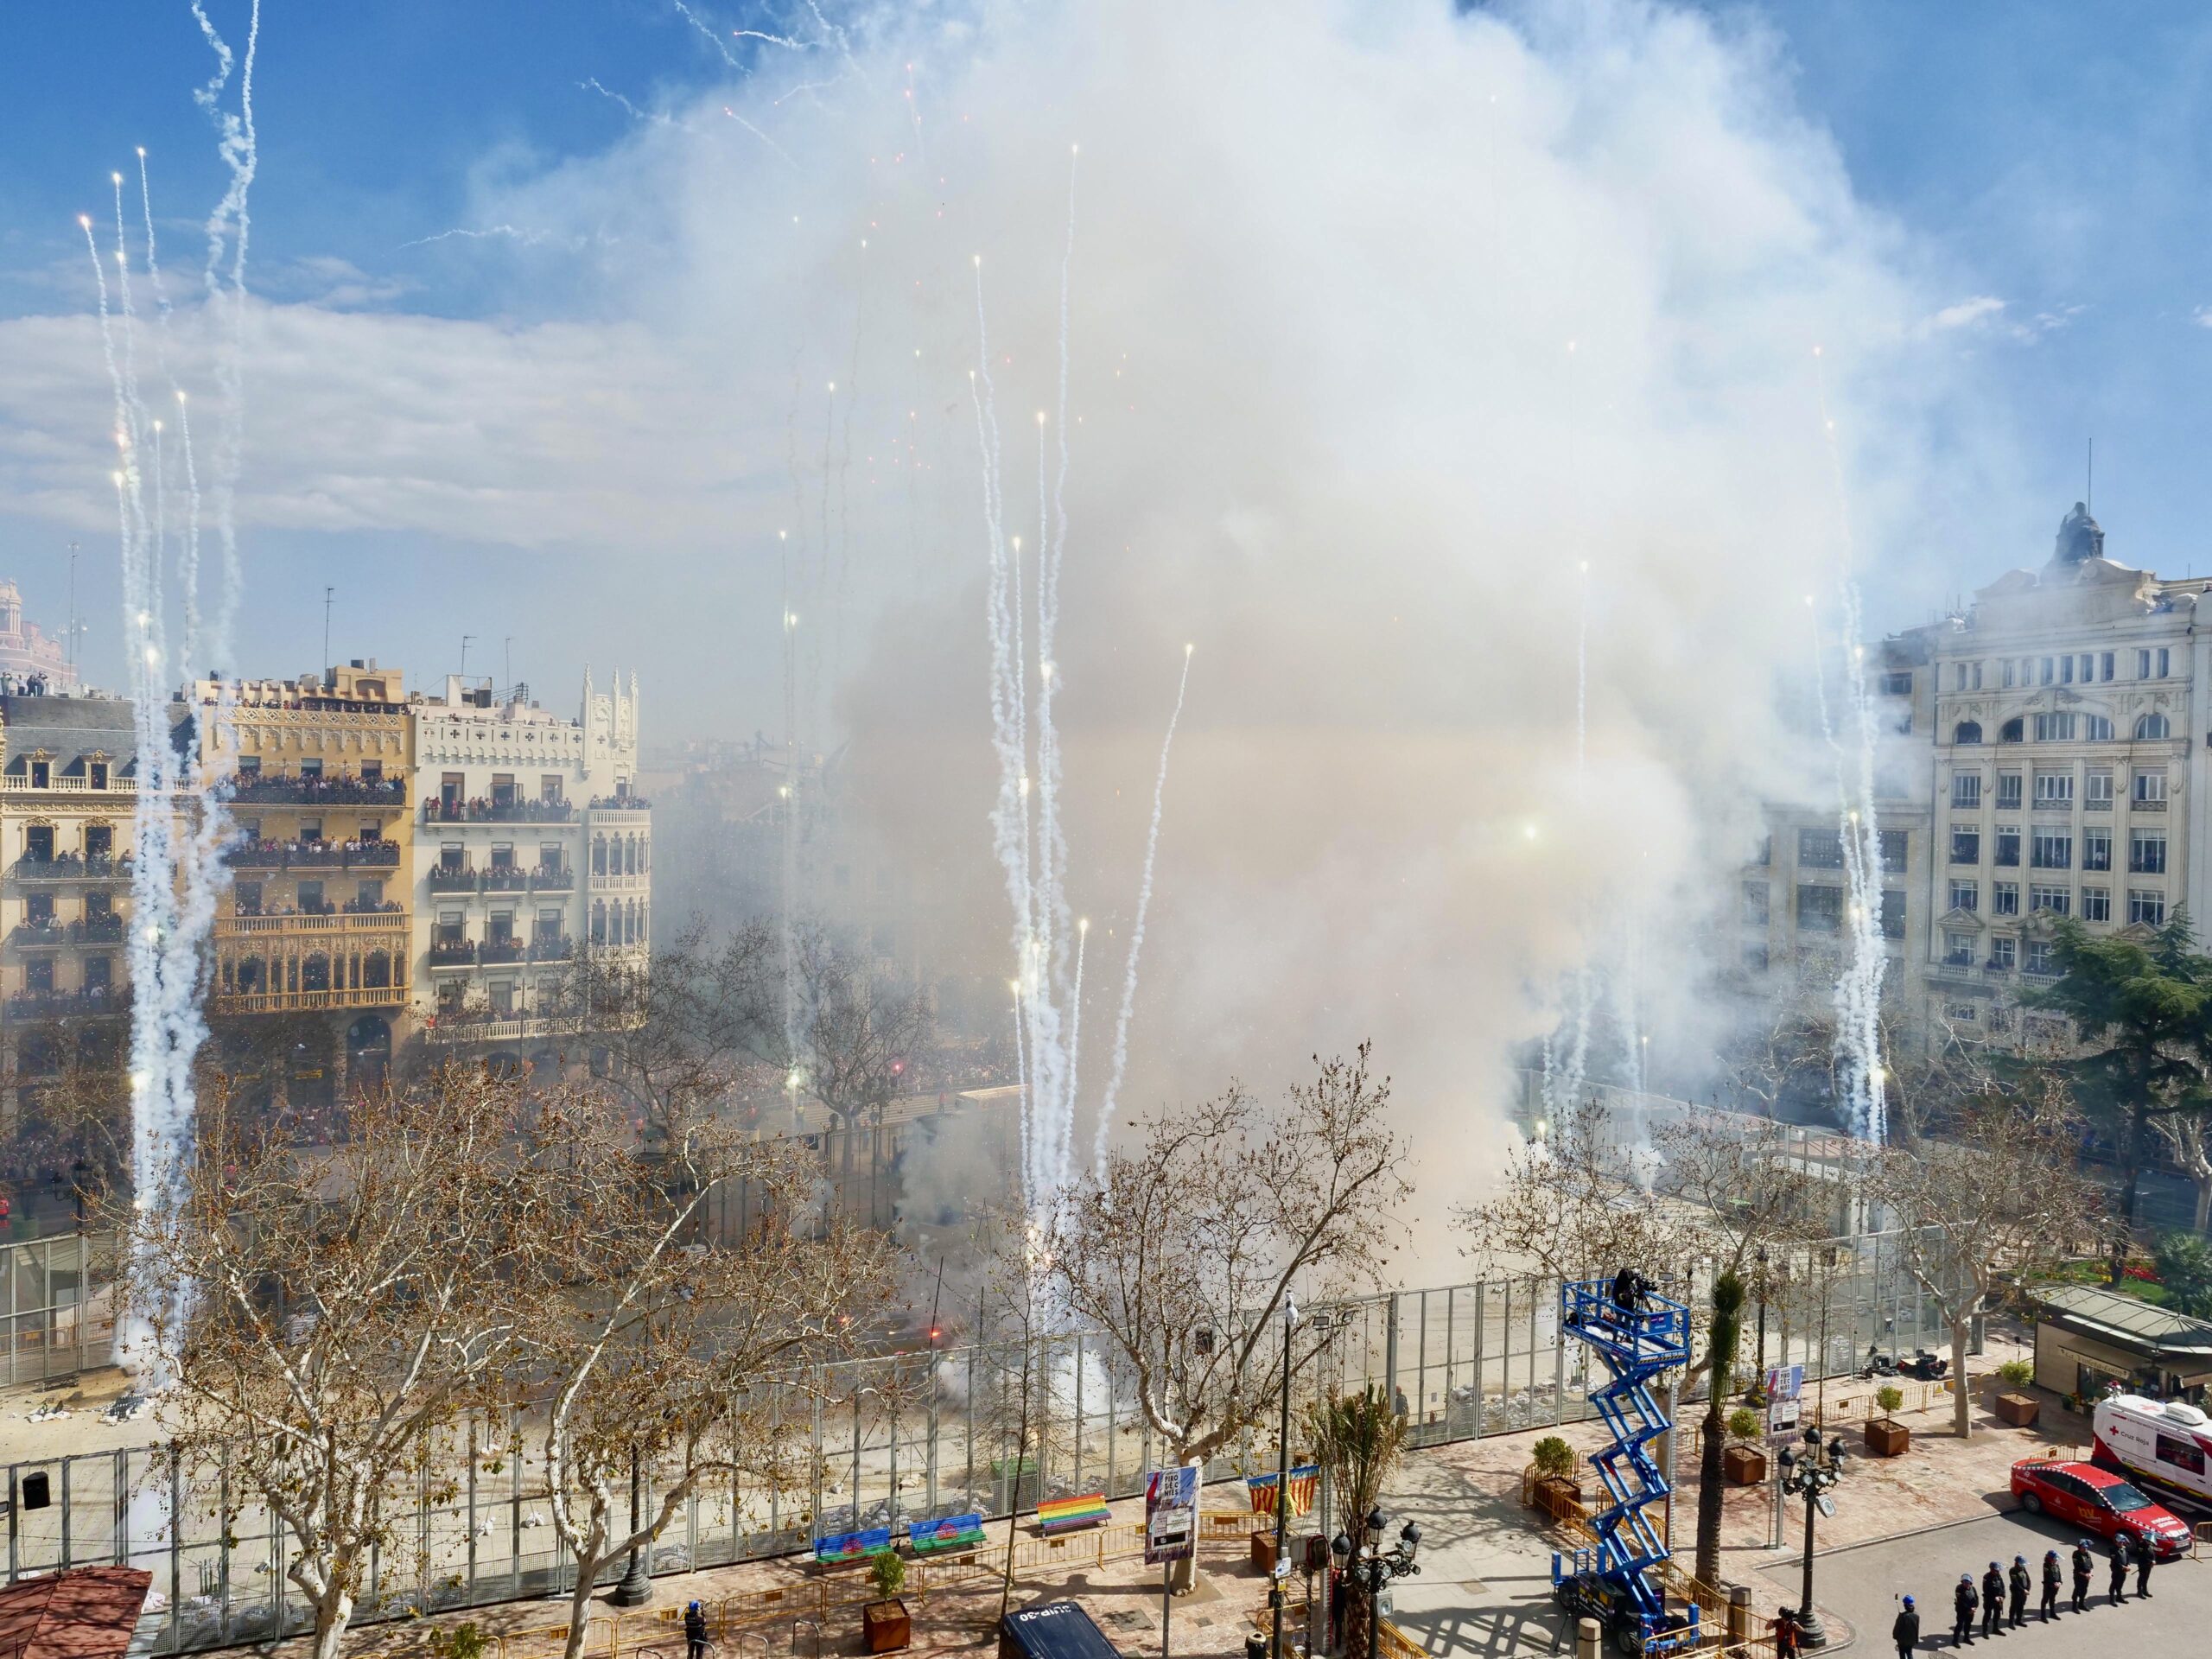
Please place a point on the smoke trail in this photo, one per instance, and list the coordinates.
(188, 547)
(1858, 982)
(1136, 932)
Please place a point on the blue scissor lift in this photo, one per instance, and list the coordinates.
(1616, 1581)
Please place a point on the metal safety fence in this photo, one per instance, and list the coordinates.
(986, 1429)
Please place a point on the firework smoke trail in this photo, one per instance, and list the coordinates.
(1120, 1064)
(1859, 986)
(188, 545)
(1569, 1086)
(230, 225)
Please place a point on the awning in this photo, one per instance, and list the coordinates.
(2127, 1322)
(1058, 1629)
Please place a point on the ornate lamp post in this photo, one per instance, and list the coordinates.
(1371, 1568)
(1812, 1472)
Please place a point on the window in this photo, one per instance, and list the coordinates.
(549, 788)
(2008, 847)
(98, 771)
(2066, 671)
(311, 902)
(2153, 725)
(1966, 1013)
(1966, 895)
(38, 975)
(1958, 677)
(2096, 728)
(1966, 791)
(369, 831)
(2054, 789)
(2151, 789)
(368, 896)
(1958, 950)
(452, 793)
(38, 909)
(2010, 731)
(2003, 897)
(2056, 900)
(2142, 664)
(310, 829)
(2048, 670)
(503, 855)
(1763, 854)
(38, 844)
(2146, 907)
(547, 928)
(1755, 903)
(1820, 849)
(503, 997)
(2008, 792)
(2008, 673)
(1898, 684)
(2096, 903)
(2003, 953)
(246, 898)
(2097, 791)
(2050, 851)
(451, 927)
(1966, 731)
(2042, 958)
(1897, 848)
(41, 774)
(2181, 1454)
(99, 906)
(2096, 849)
(249, 765)
(502, 931)
(2146, 852)
(2054, 728)
(548, 857)
(450, 856)
(1892, 917)
(502, 789)
(1820, 910)
(99, 973)
(2147, 662)
(372, 771)
(2088, 668)
(1966, 846)
(100, 840)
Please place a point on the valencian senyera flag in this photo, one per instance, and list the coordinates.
(1305, 1481)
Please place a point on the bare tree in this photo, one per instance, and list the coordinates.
(2183, 1136)
(1183, 1247)
(320, 1314)
(1575, 1204)
(1977, 1213)
(1787, 1042)
(656, 1355)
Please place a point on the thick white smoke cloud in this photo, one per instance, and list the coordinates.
(1384, 316)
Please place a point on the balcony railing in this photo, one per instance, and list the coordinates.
(2146, 806)
(356, 922)
(620, 803)
(361, 996)
(314, 855)
(558, 950)
(446, 880)
(1997, 969)
(453, 953)
(444, 1029)
(436, 811)
(70, 866)
(495, 951)
(542, 880)
(258, 788)
(91, 930)
(506, 878)
(67, 1005)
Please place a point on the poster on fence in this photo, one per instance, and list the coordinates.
(1170, 1515)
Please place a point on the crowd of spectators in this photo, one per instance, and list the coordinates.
(315, 790)
(478, 809)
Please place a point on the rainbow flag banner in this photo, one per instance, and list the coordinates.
(1305, 1482)
(1068, 1514)
(954, 1532)
(852, 1546)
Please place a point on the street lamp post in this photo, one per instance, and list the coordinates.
(1812, 1472)
(1280, 1568)
(1760, 1382)
(637, 1586)
(1371, 1566)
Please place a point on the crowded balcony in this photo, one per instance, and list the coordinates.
(554, 950)
(452, 879)
(266, 789)
(453, 953)
(92, 930)
(92, 1002)
(71, 867)
(506, 878)
(313, 855)
(552, 878)
(482, 810)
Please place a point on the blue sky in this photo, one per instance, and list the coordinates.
(2044, 167)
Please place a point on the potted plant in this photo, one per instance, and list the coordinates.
(1888, 1438)
(2013, 1402)
(1745, 1460)
(1552, 1474)
(884, 1621)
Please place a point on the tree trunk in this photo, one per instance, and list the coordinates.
(2203, 1200)
(580, 1603)
(333, 1609)
(1963, 1405)
(1710, 1490)
(2131, 1163)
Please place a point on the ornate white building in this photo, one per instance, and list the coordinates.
(531, 845)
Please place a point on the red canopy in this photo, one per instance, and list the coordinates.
(86, 1613)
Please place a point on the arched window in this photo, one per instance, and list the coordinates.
(598, 921)
(376, 971)
(2096, 728)
(599, 854)
(2153, 725)
(2011, 730)
(629, 854)
(1969, 731)
(315, 972)
(251, 976)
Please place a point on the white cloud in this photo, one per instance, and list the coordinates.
(2203, 316)
(1983, 308)
(1985, 313)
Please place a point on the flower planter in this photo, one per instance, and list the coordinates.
(1887, 1439)
(887, 1625)
(1744, 1464)
(2018, 1410)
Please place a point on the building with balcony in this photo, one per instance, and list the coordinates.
(531, 844)
(317, 922)
(2039, 744)
(31, 660)
(67, 792)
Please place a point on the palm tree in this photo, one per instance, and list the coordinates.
(1357, 1438)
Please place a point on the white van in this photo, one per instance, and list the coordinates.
(2162, 1442)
